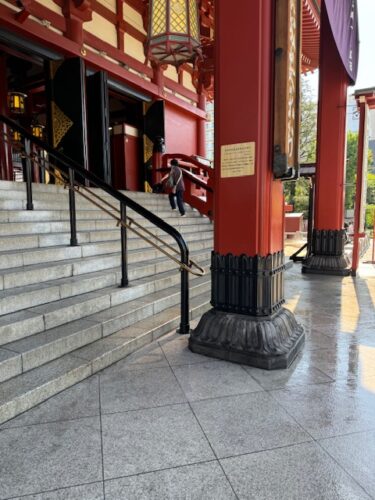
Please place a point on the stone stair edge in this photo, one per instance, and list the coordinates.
(72, 269)
(19, 325)
(56, 254)
(188, 236)
(13, 403)
(63, 288)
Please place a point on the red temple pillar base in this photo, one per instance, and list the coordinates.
(248, 324)
(328, 254)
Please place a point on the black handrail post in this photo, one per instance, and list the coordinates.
(184, 325)
(124, 248)
(72, 210)
(27, 172)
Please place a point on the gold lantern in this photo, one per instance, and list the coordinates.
(15, 135)
(16, 102)
(37, 130)
(173, 31)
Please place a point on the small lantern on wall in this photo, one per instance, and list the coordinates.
(16, 102)
(173, 31)
(15, 135)
(37, 130)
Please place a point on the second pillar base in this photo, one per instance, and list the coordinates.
(337, 265)
(269, 342)
(328, 254)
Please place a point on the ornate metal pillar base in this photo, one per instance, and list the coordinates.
(328, 254)
(271, 342)
(248, 324)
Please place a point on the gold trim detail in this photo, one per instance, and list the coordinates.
(60, 124)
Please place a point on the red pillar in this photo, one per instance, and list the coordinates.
(328, 235)
(247, 263)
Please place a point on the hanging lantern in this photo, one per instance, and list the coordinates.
(37, 130)
(15, 135)
(173, 31)
(16, 102)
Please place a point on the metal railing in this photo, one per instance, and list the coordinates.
(65, 170)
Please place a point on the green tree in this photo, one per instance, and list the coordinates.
(297, 192)
(351, 168)
(370, 188)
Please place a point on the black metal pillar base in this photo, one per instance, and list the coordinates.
(336, 265)
(328, 254)
(248, 324)
(269, 342)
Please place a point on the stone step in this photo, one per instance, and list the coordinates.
(88, 288)
(18, 190)
(25, 297)
(29, 241)
(38, 349)
(12, 187)
(27, 257)
(60, 201)
(74, 268)
(32, 388)
(94, 223)
(55, 214)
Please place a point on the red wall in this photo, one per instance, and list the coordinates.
(181, 131)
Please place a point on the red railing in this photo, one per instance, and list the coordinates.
(198, 179)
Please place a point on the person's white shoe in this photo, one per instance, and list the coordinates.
(174, 209)
(183, 215)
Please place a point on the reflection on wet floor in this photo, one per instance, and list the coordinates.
(166, 423)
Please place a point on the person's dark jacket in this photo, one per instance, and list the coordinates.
(176, 172)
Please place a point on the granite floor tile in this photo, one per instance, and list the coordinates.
(356, 454)
(136, 389)
(81, 400)
(49, 456)
(178, 353)
(344, 362)
(152, 439)
(204, 481)
(326, 410)
(300, 373)
(214, 379)
(150, 356)
(316, 340)
(92, 491)
(300, 472)
(247, 423)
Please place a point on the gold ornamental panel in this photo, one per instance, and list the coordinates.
(159, 17)
(60, 124)
(193, 12)
(178, 16)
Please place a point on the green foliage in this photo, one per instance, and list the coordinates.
(370, 219)
(370, 188)
(351, 168)
(297, 192)
(308, 125)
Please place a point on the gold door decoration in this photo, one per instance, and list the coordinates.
(60, 124)
(287, 86)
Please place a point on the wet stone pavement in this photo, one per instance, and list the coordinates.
(169, 424)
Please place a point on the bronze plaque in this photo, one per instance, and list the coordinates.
(237, 160)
